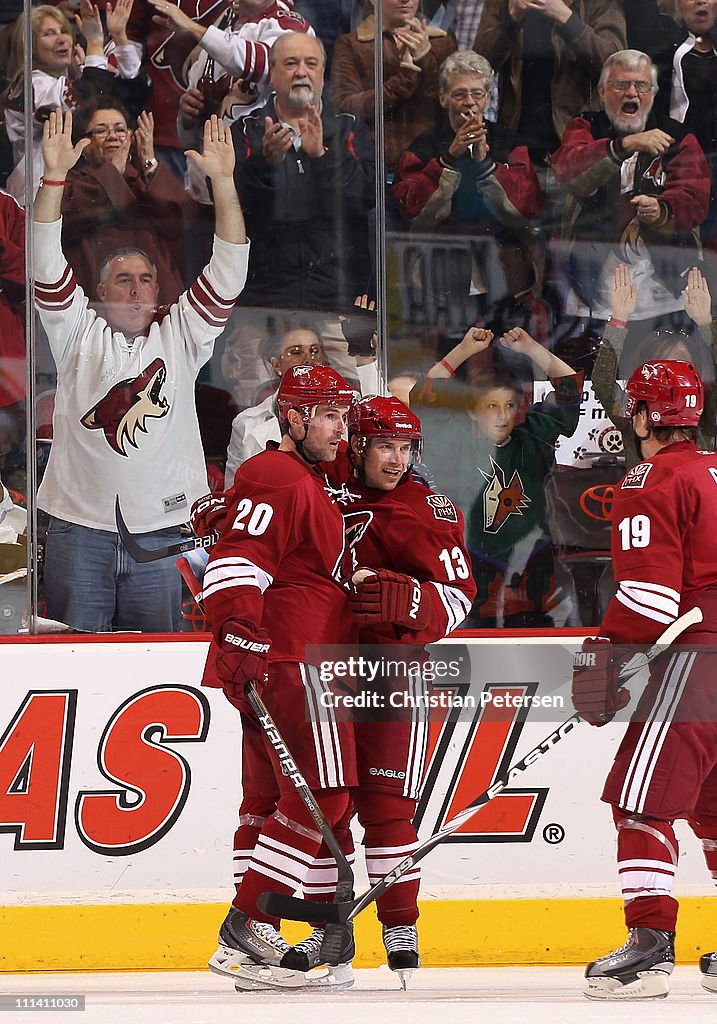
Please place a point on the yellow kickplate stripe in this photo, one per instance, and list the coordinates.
(453, 933)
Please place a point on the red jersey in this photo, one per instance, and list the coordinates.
(168, 55)
(664, 545)
(279, 558)
(410, 530)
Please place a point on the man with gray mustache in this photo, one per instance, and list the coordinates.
(306, 177)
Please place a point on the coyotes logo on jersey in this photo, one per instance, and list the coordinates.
(501, 500)
(128, 405)
(656, 173)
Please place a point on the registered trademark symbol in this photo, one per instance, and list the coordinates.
(553, 834)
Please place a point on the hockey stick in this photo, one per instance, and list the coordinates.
(140, 554)
(293, 909)
(335, 931)
(17, 574)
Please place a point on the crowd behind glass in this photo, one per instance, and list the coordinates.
(548, 188)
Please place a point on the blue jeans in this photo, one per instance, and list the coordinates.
(92, 583)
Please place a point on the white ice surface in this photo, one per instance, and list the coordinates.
(501, 995)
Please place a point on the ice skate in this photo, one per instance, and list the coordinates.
(640, 969)
(708, 970)
(250, 953)
(401, 942)
(306, 956)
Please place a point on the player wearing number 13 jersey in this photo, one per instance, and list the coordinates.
(664, 551)
(421, 589)
(272, 587)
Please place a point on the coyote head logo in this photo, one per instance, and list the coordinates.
(128, 405)
(501, 500)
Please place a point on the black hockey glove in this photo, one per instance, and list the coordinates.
(359, 330)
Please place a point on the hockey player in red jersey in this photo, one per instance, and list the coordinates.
(271, 587)
(420, 589)
(664, 548)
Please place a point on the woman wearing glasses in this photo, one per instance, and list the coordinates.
(63, 73)
(467, 177)
(119, 194)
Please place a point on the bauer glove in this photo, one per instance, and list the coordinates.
(243, 656)
(389, 597)
(208, 514)
(597, 695)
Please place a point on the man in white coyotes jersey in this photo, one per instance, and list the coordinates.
(125, 422)
(664, 549)
(231, 72)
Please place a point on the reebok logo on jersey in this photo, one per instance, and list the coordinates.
(124, 411)
(636, 477)
(247, 645)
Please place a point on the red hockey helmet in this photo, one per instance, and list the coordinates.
(304, 387)
(672, 389)
(374, 416)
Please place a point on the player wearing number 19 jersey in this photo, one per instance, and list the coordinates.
(665, 562)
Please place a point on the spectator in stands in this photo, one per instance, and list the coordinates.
(548, 55)
(12, 304)
(494, 468)
(230, 75)
(63, 75)
(120, 195)
(125, 422)
(465, 177)
(699, 349)
(686, 62)
(296, 344)
(306, 178)
(331, 19)
(637, 189)
(412, 54)
(166, 56)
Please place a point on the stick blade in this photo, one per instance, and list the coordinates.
(290, 908)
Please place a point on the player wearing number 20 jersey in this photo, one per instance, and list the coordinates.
(664, 548)
(272, 587)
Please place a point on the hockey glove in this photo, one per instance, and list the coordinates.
(359, 330)
(597, 696)
(390, 597)
(208, 514)
(243, 656)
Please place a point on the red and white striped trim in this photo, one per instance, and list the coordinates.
(323, 876)
(455, 602)
(418, 737)
(224, 573)
(661, 604)
(256, 62)
(654, 733)
(646, 878)
(211, 307)
(56, 295)
(327, 745)
(284, 864)
(382, 859)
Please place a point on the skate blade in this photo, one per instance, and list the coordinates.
(335, 978)
(404, 976)
(250, 976)
(649, 985)
(709, 982)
